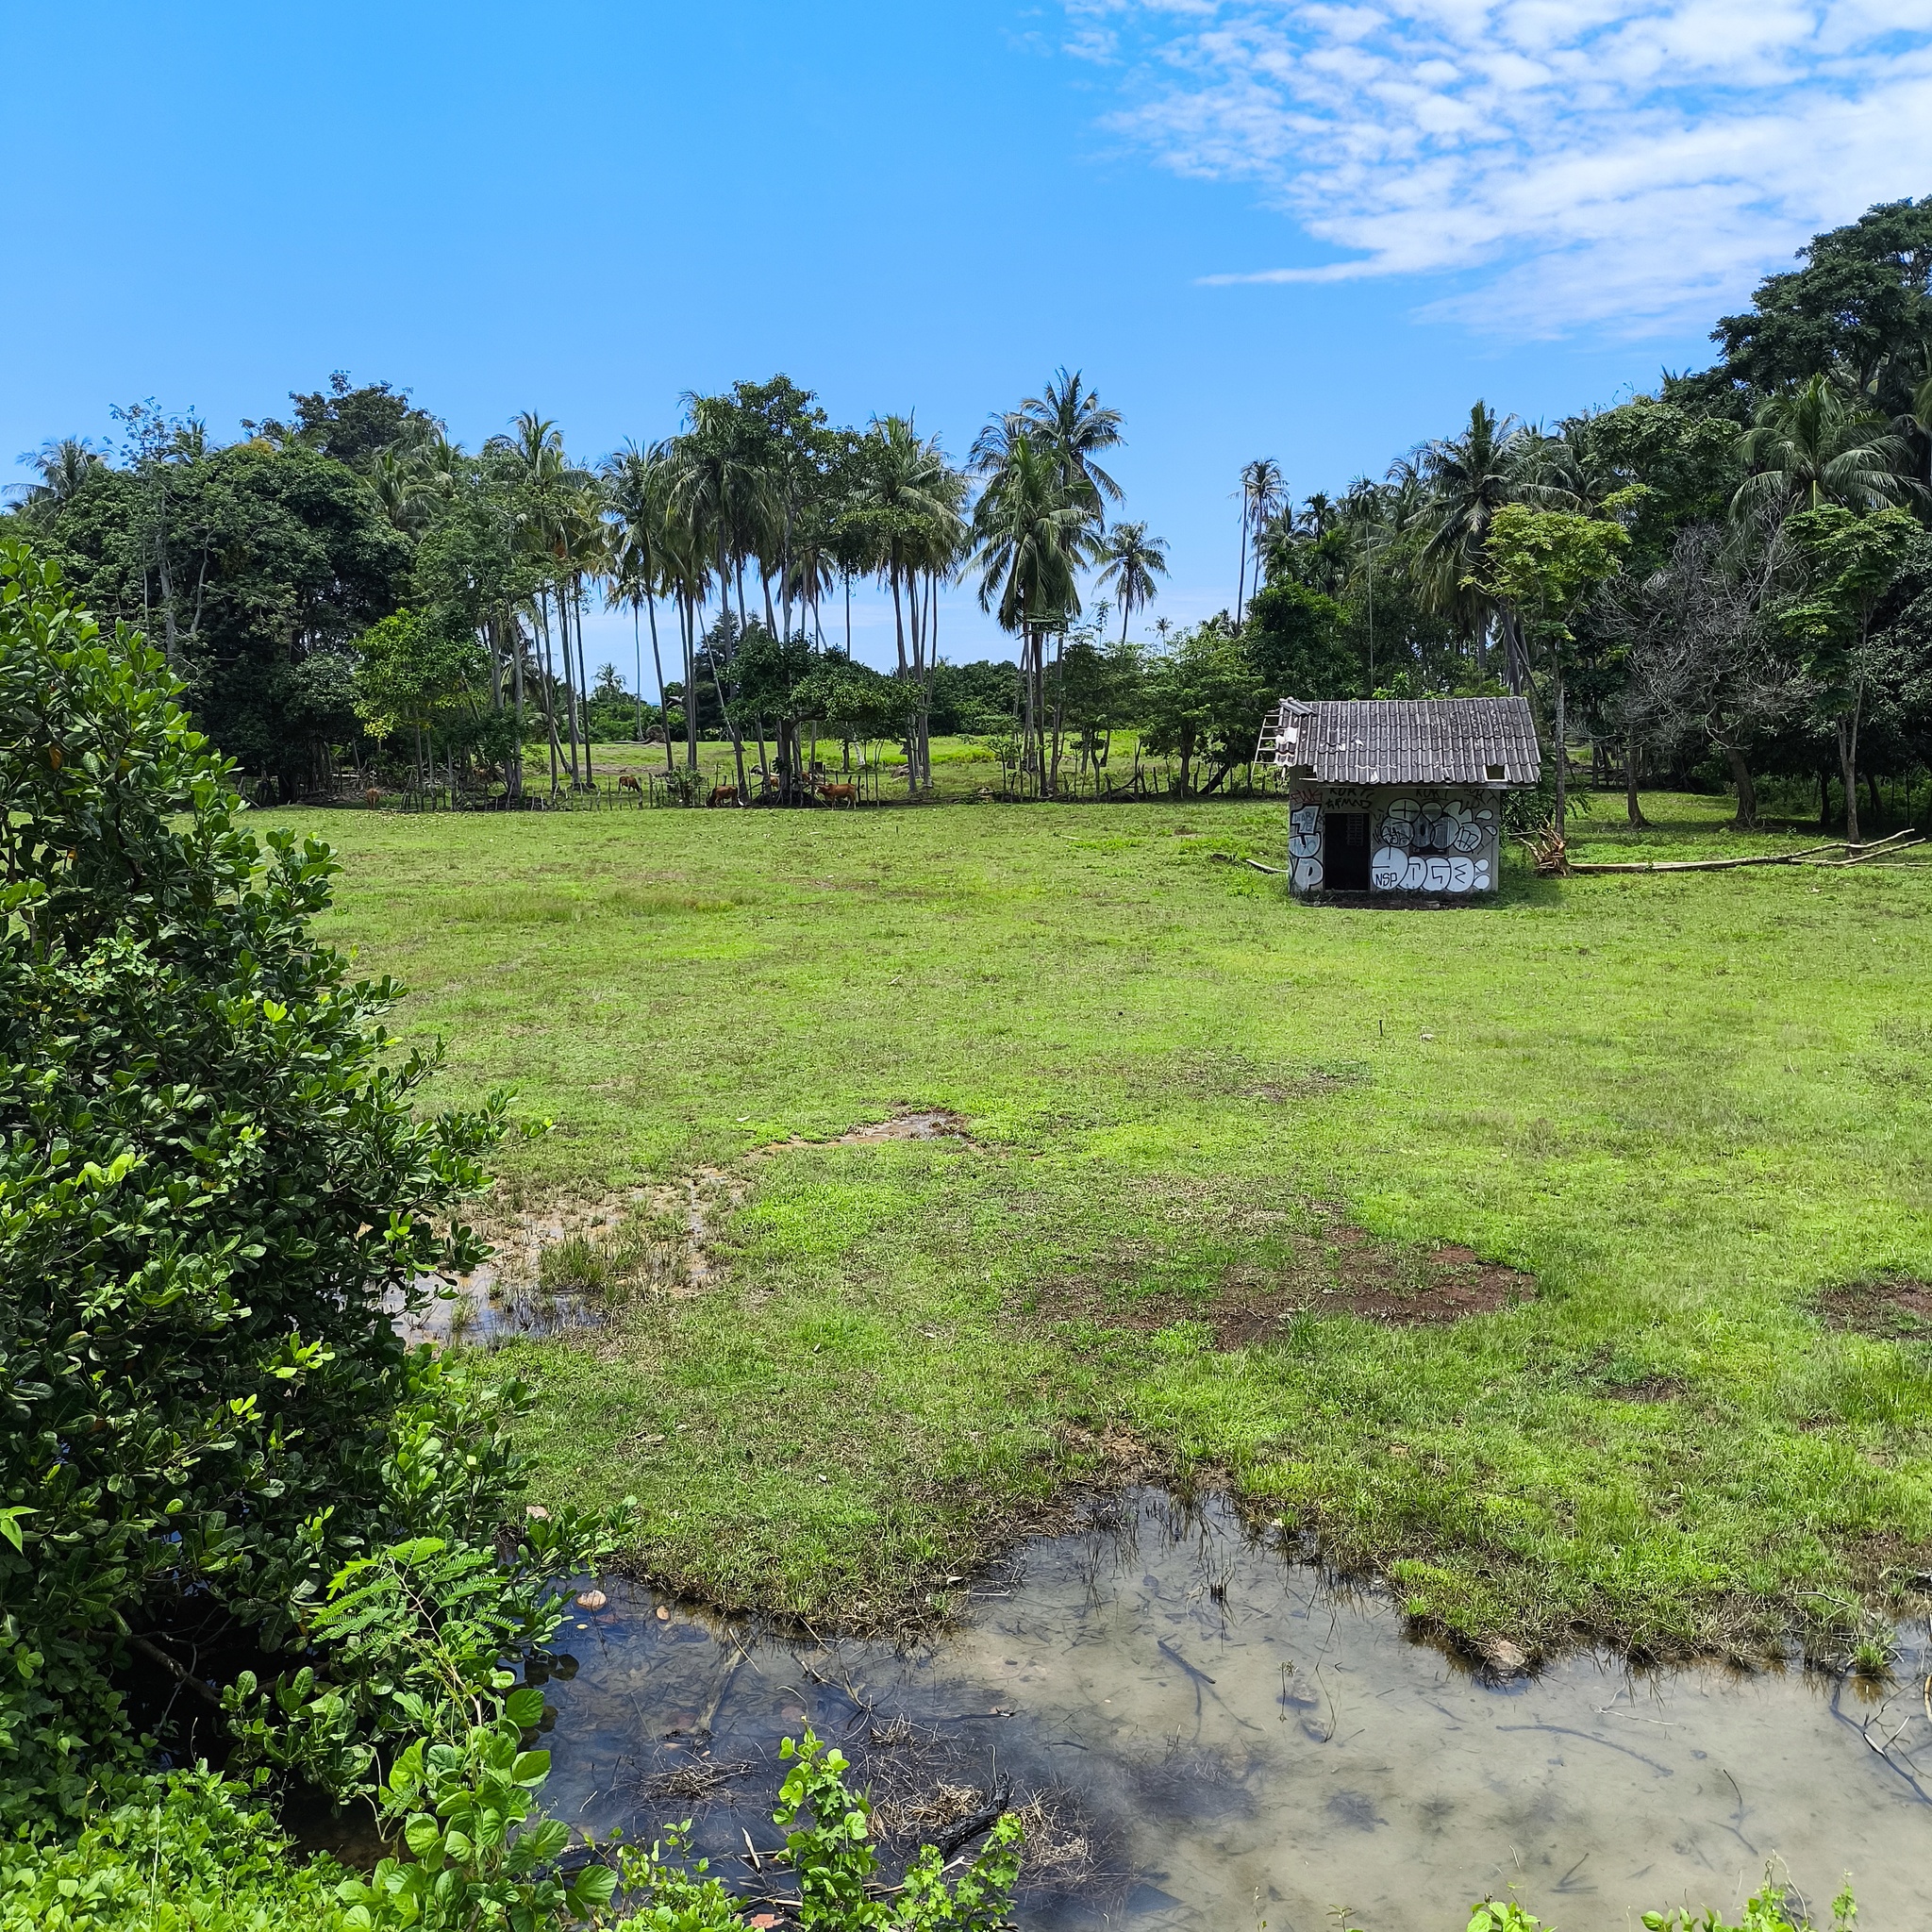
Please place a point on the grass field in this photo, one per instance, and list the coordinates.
(1688, 1107)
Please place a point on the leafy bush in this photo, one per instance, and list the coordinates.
(210, 1176)
(167, 1854)
(833, 1859)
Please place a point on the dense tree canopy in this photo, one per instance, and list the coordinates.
(273, 573)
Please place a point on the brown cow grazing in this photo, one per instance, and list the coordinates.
(626, 783)
(723, 794)
(839, 794)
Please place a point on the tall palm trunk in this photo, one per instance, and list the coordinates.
(577, 598)
(663, 703)
(690, 681)
(514, 777)
(549, 686)
(932, 665)
(1059, 648)
(636, 659)
(1241, 595)
(1026, 759)
(570, 692)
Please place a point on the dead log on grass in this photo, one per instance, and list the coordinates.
(1553, 862)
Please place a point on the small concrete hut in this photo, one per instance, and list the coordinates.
(1399, 795)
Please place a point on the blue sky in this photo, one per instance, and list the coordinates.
(1311, 231)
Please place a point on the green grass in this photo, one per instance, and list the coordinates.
(1685, 1103)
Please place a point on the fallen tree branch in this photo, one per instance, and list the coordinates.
(984, 1819)
(1885, 848)
(1882, 848)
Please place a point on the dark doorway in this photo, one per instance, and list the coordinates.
(1345, 852)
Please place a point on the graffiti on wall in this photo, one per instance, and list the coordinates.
(1305, 847)
(1426, 846)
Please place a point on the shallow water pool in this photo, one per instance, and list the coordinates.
(1210, 1734)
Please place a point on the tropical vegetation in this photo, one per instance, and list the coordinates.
(229, 1480)
(356, 605)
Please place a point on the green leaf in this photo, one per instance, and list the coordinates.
(524, 1707)
(594, 1889)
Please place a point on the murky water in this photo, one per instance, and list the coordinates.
(1216, 1737)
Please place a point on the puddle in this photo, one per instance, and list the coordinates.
(559, 1268)
(1212, 1736)
(664, 1231)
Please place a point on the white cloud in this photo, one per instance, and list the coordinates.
(1606, 162)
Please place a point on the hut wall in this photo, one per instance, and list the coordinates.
(1422, 837)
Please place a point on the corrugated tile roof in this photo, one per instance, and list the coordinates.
(1409, 740)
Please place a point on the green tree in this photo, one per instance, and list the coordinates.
(1541, 564)
(1300, 643)
(411, 674)
(1468, 479)
(1033, 531)
(1263, 496)
(1130, 561)
(1861, 302)
(352, 425)
(210, 1179)
(1814, 444)
(1204, 699)
(1850, 563)
(637, 482)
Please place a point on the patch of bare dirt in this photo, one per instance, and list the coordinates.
(1892, 1307)
(1647, 1389)
(918, 1124)
(1335, 1269)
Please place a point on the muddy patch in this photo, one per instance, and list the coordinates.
(1333, 1267)
(569, 1264)
(1896, 1307)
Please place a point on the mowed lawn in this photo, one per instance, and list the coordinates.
(1688, 1106)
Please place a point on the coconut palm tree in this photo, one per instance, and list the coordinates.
(1468, 479)
(636, 481)
(1068, 419)
(544, 480)
(687, 579)
(1131, 560)
(401, 489)
(64, 465)
(1033, 531)
(1814, 444)
(1262, 494)
(721, 496)
(579, 540)
(905, 520)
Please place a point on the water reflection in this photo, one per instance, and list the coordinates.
(1207, 1734)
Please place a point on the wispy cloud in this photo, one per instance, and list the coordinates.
(1575, 162)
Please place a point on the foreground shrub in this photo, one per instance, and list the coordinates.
(191, 1853)
(210, 1176)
